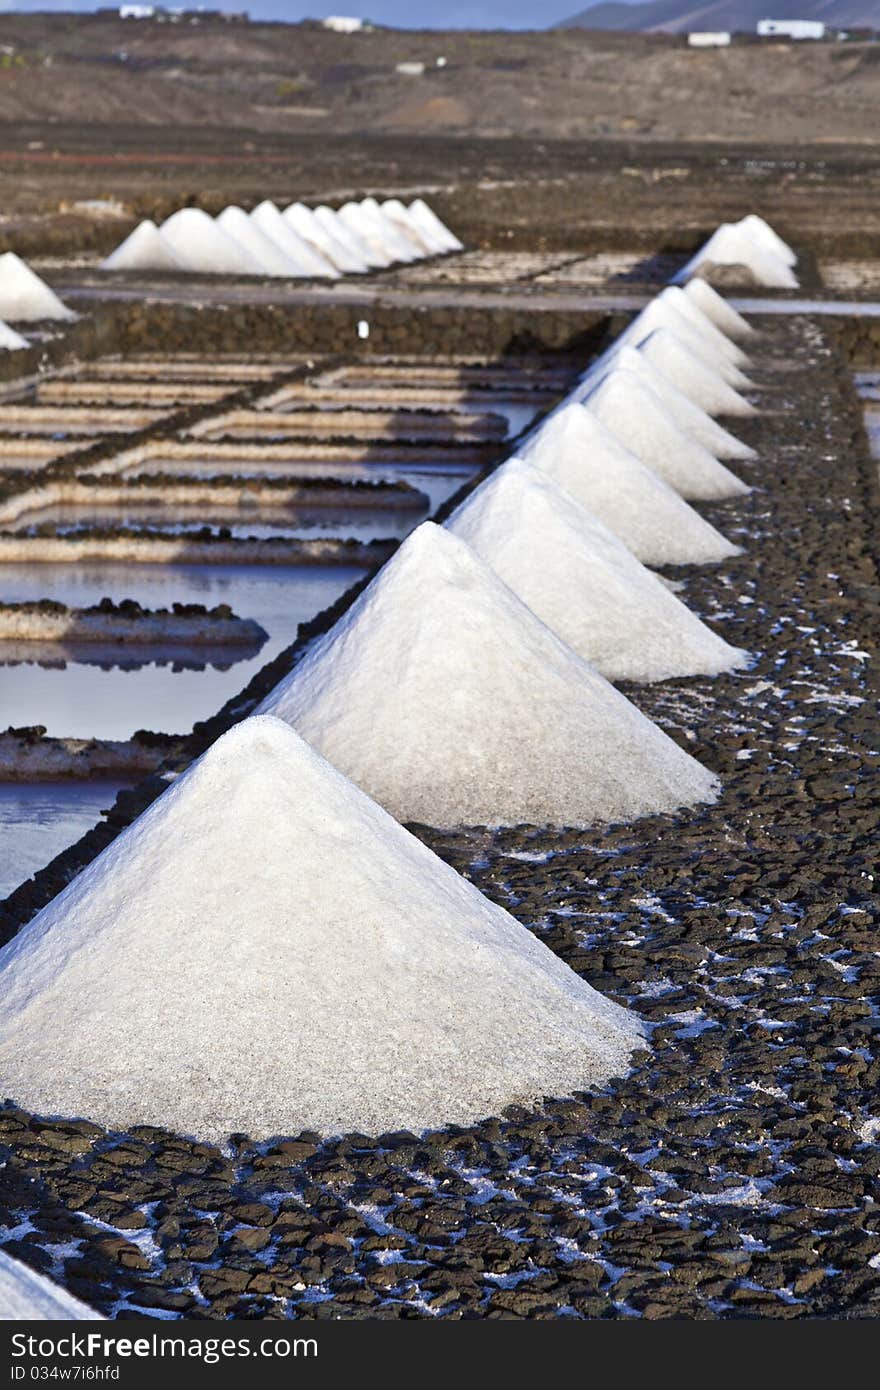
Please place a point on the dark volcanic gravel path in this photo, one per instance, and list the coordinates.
(734, 1173)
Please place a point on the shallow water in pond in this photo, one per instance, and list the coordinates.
(39, 821)
(240, 523)
(81, 701)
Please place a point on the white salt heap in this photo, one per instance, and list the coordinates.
(430, 242)
(399, 243)
(24, 297)
(765, 235)
(674, 297)
(688, 375)
(716, 308)
(144, 249)
(576, 450)
(662, 314)
(273, 225)
(10, 340)
(362, 226)
(425, 217)
(322, 239)
(26, 1295)
(267, 253)
(691, 418)
(200, 245)
(351, 238)
(265, 950)
(627, 406)
(583, 582)
(734, 244)
(443, 696)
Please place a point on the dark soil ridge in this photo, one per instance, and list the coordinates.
(734, 1172)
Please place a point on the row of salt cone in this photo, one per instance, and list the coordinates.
(298, 242)
(749, 251)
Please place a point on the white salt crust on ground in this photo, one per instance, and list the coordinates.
(350, 237)
(272, 224)
(266, 252)
(576, 450)
(425, 216)
(144, 249)
(692, 419)
(665, 315)
(444, 697)
(204, 248)
(716, 308)
(26, 1295)
(627, 405)
(265, 951)
(430, 243)
(583, 582)
(325, 241)
(10, 340)
(24, 297)
(702, 385)
(732, 244)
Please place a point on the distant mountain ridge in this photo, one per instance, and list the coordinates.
(738, 16)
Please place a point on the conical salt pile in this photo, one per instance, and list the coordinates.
(690, 376)
(265, 951)
(734, 245)
(351, 238)
(663, 314)
(322, 239)
(424, 216)
(583, 582)
(447, 700)
(24, 297)
(144, 249)
(430, 243)
(627, 405)
(691, 418)
(675, 298)
(716, 308)
(203, 247)
(267, 253)
(310, 262)
(26, 1295)
(576, 450)
(364, 228)
(765, 235)
(11, 341)
(401, 245)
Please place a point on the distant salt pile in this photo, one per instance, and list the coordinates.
(752, 246)
(703, 340)
(144, 249)
(10, 340)
(627, 406)
(200, 245)
(308, 262)
(579, 453)
(26, 1295)
(327, 242)
(583, 582)
(443, 696)
(268, 952)
(682, 369)
(690, 417)
(673, 297)
(717, 310)
(299, 242)
(24, 297)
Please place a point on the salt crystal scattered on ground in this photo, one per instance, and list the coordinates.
(27, 1295)
(575, 449)
(443, 696)
(265, 951)
(24, 297)
(583, 582)
(627, 405)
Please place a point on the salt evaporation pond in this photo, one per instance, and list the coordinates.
(80, 701)
(40, 819)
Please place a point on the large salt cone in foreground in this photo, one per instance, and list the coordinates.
(264, 950)
(444, 697)
(579, 453)
(27, 1296)
(583, 582)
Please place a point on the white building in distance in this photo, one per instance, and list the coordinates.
(709, 39)
(344, 24)
(791, 29)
